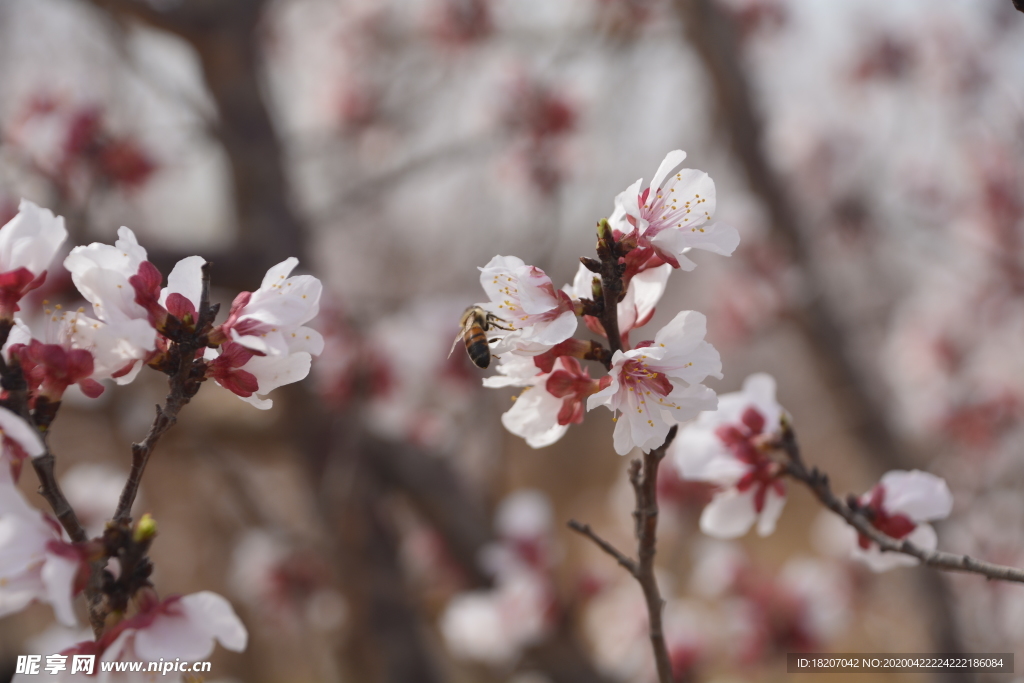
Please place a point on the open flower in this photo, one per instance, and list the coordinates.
(550, 402)
(673, 215)
(242, 372)
(101, 273)
(658, 384)
(727, 447)
(36, 564)
(899, 506)
(28, 243)
(77, 349)
(177, 628)
(525, 299)
(271, 320)
(122, 285)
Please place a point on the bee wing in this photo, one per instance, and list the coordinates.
(455, 342)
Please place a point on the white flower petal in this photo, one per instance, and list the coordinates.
(773, 504)
(58, 575)
(21, 432)
(919, 495)
(671, 162)
(186, 278)
(730, 514)
(534, 417)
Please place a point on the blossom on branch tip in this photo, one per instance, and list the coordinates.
(28, 243)
(673, 215)
(899, 506)
(524, 297)
(658, 384)
(728, 447)
(101, 273)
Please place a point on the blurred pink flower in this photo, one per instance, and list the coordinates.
(899, 506)
(724, 447)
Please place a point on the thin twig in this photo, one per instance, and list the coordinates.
(818, 483)
(51, 491)
(620, 557)
(644, 478)
(645, 484)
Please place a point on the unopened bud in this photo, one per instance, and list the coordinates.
(591, 264)
(596, 290)
(145, 529)
(604, 230)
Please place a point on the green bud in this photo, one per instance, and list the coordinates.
(145, 529)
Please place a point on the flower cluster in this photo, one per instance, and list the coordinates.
(649, 386)
(736, 443)
(131, 320)
(134, 320)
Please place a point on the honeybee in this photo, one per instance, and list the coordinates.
(475, 322)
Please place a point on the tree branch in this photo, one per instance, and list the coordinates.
(644, 478)
(611, 284)
(818, 483)
(620, 557)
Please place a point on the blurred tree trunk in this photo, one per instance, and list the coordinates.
(226, 37)
(710, 32)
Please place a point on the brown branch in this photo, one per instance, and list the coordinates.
(611, 284)
(818, 483)
(185, 377)
(620, 557)
(644, 478)
(51, 491)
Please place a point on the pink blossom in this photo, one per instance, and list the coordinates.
(247, 375)
(272, 319)
(28, 243)
(550, 401)
(899, 506)
(673, 215)
(36, 564)
(77, 349)
(726, 447)
(182, 628)
(122, 285)
(525, 299)
(658, 384)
